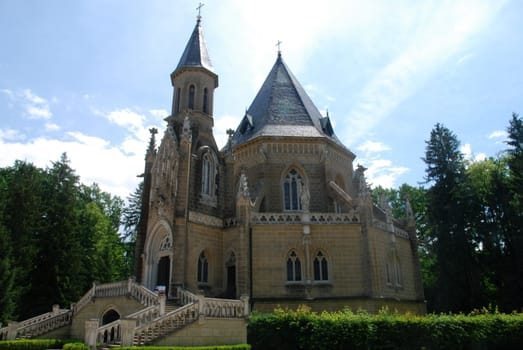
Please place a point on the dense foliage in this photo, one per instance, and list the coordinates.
(57, 236)
(216, 347)
(302, 329)
(469, 221)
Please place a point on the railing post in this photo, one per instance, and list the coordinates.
(90, 332)
(11, 330)
(201, 306)
(162, 299)
(128, 325)
(94, 289)
(56, 308)
(245, 299)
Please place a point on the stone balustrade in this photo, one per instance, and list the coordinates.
(146, 315)
(143, 295)
(185, 297)
(353, 217)
(109, 333)
(3, 333)
(223, 308)
(86, 299)
(167, 323)
(59, 318)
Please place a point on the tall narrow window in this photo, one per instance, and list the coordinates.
(397, 272)
(205, 99)
(203, 268)
(292, 186)
(191, 96)
(293, 267)
(178, 92)
(321, 268)
(207, 174)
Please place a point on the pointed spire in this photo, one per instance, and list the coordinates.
(195, 53)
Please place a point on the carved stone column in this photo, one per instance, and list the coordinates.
(128, 325)
(90, 332)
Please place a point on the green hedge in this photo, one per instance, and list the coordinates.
(302, 329)
(217, 347)
(32, 344)
(75, 346)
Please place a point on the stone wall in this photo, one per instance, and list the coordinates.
(210, 331)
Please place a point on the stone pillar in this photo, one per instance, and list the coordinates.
(162, 298)
(129, 285)
(12, 327)
(201, 307)
(245, 299)
(56, 308)
(91, 326)
(128, 325)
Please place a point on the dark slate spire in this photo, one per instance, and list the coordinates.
(283, 108)
(195, 53)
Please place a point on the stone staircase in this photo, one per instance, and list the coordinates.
(158, 318)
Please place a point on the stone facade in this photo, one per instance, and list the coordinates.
(279, 214)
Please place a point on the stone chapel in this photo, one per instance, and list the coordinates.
(279, 214)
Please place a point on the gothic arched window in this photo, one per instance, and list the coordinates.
(292, 185)
(321, 268)
(203, 268)
(293, 267)
(205, 100)
(208, 175)
(191, 96)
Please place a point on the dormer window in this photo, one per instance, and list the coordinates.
(191, 96)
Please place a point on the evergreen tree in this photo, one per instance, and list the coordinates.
(514, 238)
(448, 207)
(23, 220)
(58, 259)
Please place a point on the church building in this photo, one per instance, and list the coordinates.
(280, 214)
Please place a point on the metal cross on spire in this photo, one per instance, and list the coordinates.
(199, 8)
(279, 47)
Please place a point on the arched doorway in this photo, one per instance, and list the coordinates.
(230, 268)
(159, 258)
(110, 316)
(164, 272)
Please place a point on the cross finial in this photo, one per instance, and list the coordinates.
(279, 47)
(199, 8)
(230, 132)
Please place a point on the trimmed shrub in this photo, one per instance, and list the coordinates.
(302, 329)
(216, 347)
(31, 344)
(75, 346)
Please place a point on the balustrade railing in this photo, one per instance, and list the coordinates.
(58, 319)
(3, 333)
(143, 295)
(109, 333)
(352, 217)
(223, 308)
(185, 297)
(166, 324)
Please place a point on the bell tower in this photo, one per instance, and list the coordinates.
(194, 81)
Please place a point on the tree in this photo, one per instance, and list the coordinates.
(58, 259)
(449, 208)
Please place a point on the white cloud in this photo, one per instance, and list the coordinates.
(52, 127)
(36, 112)
(221, 124)
(92, 158)
(159, 114)
(381, 172)
(373, 146)
(443, 34)
(11, 135)
(466, 149)
(127, 118)
(497, 134)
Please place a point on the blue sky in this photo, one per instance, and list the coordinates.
(89, 77)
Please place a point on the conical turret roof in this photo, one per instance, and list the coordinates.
(195, 53)
(283, 108)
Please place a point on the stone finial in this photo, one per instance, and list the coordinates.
(409, 213)
(243, 187)
(361, 181)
